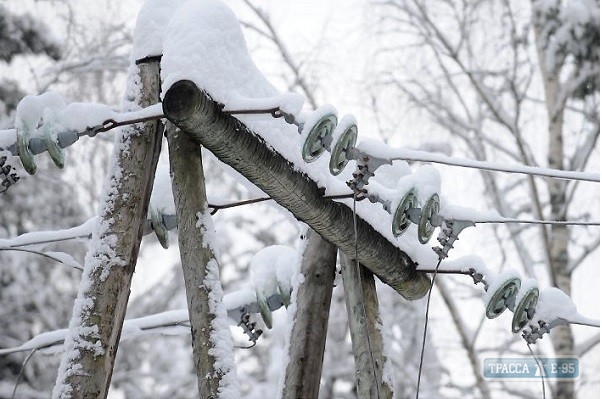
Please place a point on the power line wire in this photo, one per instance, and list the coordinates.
(541, 371)
(552, 222)
(423, 156)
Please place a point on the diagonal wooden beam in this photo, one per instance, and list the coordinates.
(193, 111)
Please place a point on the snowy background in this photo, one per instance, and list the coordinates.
(367, 59)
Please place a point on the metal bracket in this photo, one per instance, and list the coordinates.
(478, 278)
(541, 329)
(366, 166)
(8, 175)
(248, 327)
(449, 234)
(265, 307)
(370, 163)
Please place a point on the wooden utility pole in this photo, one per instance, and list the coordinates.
(196, 252)
(364, 326)
(308, 333)
(233, 143)
(99, 310)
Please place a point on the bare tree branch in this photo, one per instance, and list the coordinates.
(465, 337)
(586, 251)
(587, 345)
(274, 37)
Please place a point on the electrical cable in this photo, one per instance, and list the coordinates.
(541, 371)
(426, 321)
(423, 156)
(217, 207)
(551, 222)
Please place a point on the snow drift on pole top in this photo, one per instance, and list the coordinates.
(204, 43)
(150, 27)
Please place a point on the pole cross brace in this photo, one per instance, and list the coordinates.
(196, 114)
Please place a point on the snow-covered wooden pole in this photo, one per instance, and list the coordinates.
(99, 310)
(364, 326)
(233, 143)
(308, 333)
(210, 339)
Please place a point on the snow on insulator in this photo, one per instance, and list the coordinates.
(430, 182)
(501, 292)
(344, 137)
(272, 269)
(554, 304)
(524, 304)
(316, 132)
(162, 195)
(50, 107)
(390, 175)
(161, 204)
(31, 109)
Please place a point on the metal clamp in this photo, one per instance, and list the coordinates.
(366, 166)
(478, 277)
(542, 328)
(248, 328)
(449, 234)
(8, 175)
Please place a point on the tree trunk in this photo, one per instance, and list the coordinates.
(195, 113)
(562, 336)
(196, 253)
(308, 334)
(99, 310)
(365, 325)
